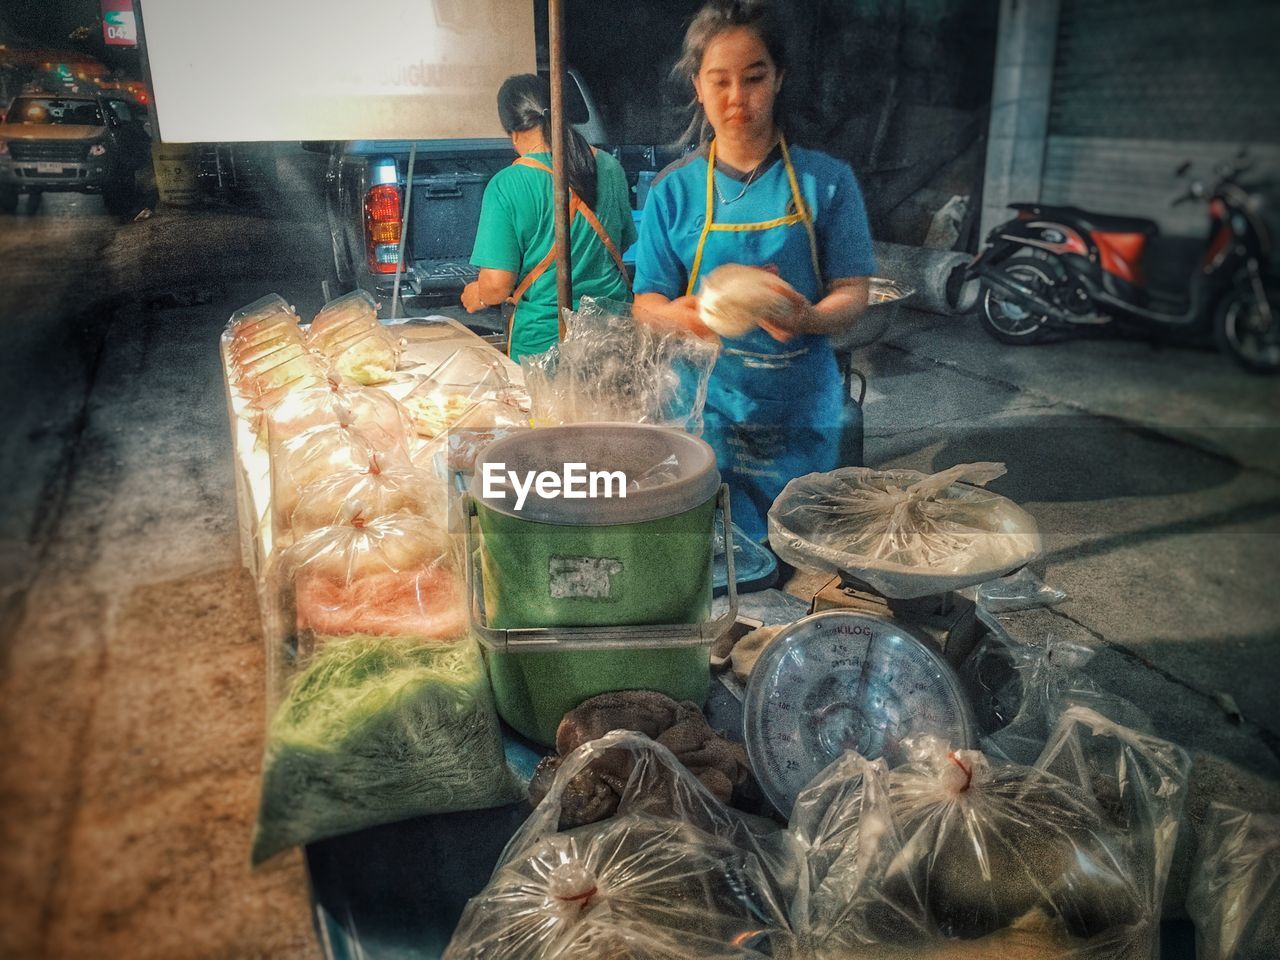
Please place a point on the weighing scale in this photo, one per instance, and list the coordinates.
(846, 680)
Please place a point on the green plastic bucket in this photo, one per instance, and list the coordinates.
(645, 558)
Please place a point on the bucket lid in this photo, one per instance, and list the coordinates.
(666, 473)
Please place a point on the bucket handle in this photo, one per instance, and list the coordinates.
(527, 639)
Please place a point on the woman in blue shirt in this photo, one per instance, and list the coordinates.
(776, 398)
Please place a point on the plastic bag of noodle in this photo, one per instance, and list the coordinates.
(1235, 886)
(608, 368)
(370, 730)
(345, 444)
(394, 575)
(955, 854)
(672, 874)
(393, 488)
(905, 533)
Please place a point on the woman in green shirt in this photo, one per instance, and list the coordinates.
(515, 240)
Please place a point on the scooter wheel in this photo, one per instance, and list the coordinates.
(1008, 319)
(1248, 330)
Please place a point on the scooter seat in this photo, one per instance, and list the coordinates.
(1091, 222)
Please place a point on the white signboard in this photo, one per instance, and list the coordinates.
(232, 70)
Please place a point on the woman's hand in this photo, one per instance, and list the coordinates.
(471, 297)
(490, 289)
(678, 314)
(839, 309)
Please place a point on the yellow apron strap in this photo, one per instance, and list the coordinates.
(801, 215)
(806, 218)
(706, 226)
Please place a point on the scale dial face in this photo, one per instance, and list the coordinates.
(843, 680)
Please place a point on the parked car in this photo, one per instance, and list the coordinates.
(86, 143)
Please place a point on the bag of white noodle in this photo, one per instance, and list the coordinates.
(366, 357)
(384, 490)
(904, 533)
(301, 460)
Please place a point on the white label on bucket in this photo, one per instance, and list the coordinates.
(587, 578)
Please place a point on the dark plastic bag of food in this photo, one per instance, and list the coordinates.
(673, 874)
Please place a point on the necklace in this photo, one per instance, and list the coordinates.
(725, 202)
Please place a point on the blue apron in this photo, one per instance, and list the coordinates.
(774, 410)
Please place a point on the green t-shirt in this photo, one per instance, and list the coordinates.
(517, 229)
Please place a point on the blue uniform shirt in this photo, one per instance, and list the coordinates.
(774, 410)
(676, 210)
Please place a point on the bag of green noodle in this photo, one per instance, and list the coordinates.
(372, 730)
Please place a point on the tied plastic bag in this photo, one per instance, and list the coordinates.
(303, 459)
(342, 317)
(466, 377)
(1020, 691)
(608, 368)
(369, 730)
(264, 312)
(396, 575)
(384, 490)
(325, 402)
(366, 357)
(1235, 886)
(903, 532)
(674, 874)
(955, 854)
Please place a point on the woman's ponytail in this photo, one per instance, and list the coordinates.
(524, 102)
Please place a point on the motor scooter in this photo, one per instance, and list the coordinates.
(1062, 268)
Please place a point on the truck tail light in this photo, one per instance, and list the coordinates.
(382, 227)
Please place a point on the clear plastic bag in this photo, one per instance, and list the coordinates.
(395, 575)
(673, 874)
(1019, 692)
(368, 730)
(1235, 886)
(366, 357)
(356, 434)
(903, 532)
(608, 368)
(321, 402)
(284, 366)
(464, 378)
(957, 855)
(265, 311)
(384, 490)
(341, 317)
(1021, 590)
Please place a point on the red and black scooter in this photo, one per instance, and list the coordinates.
(1062, 268)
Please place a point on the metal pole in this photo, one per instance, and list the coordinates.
(564, 280)
(404, 225)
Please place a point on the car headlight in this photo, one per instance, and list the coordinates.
(97, 150)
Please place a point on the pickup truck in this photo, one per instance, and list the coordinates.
(365, 187)
(88, 143)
